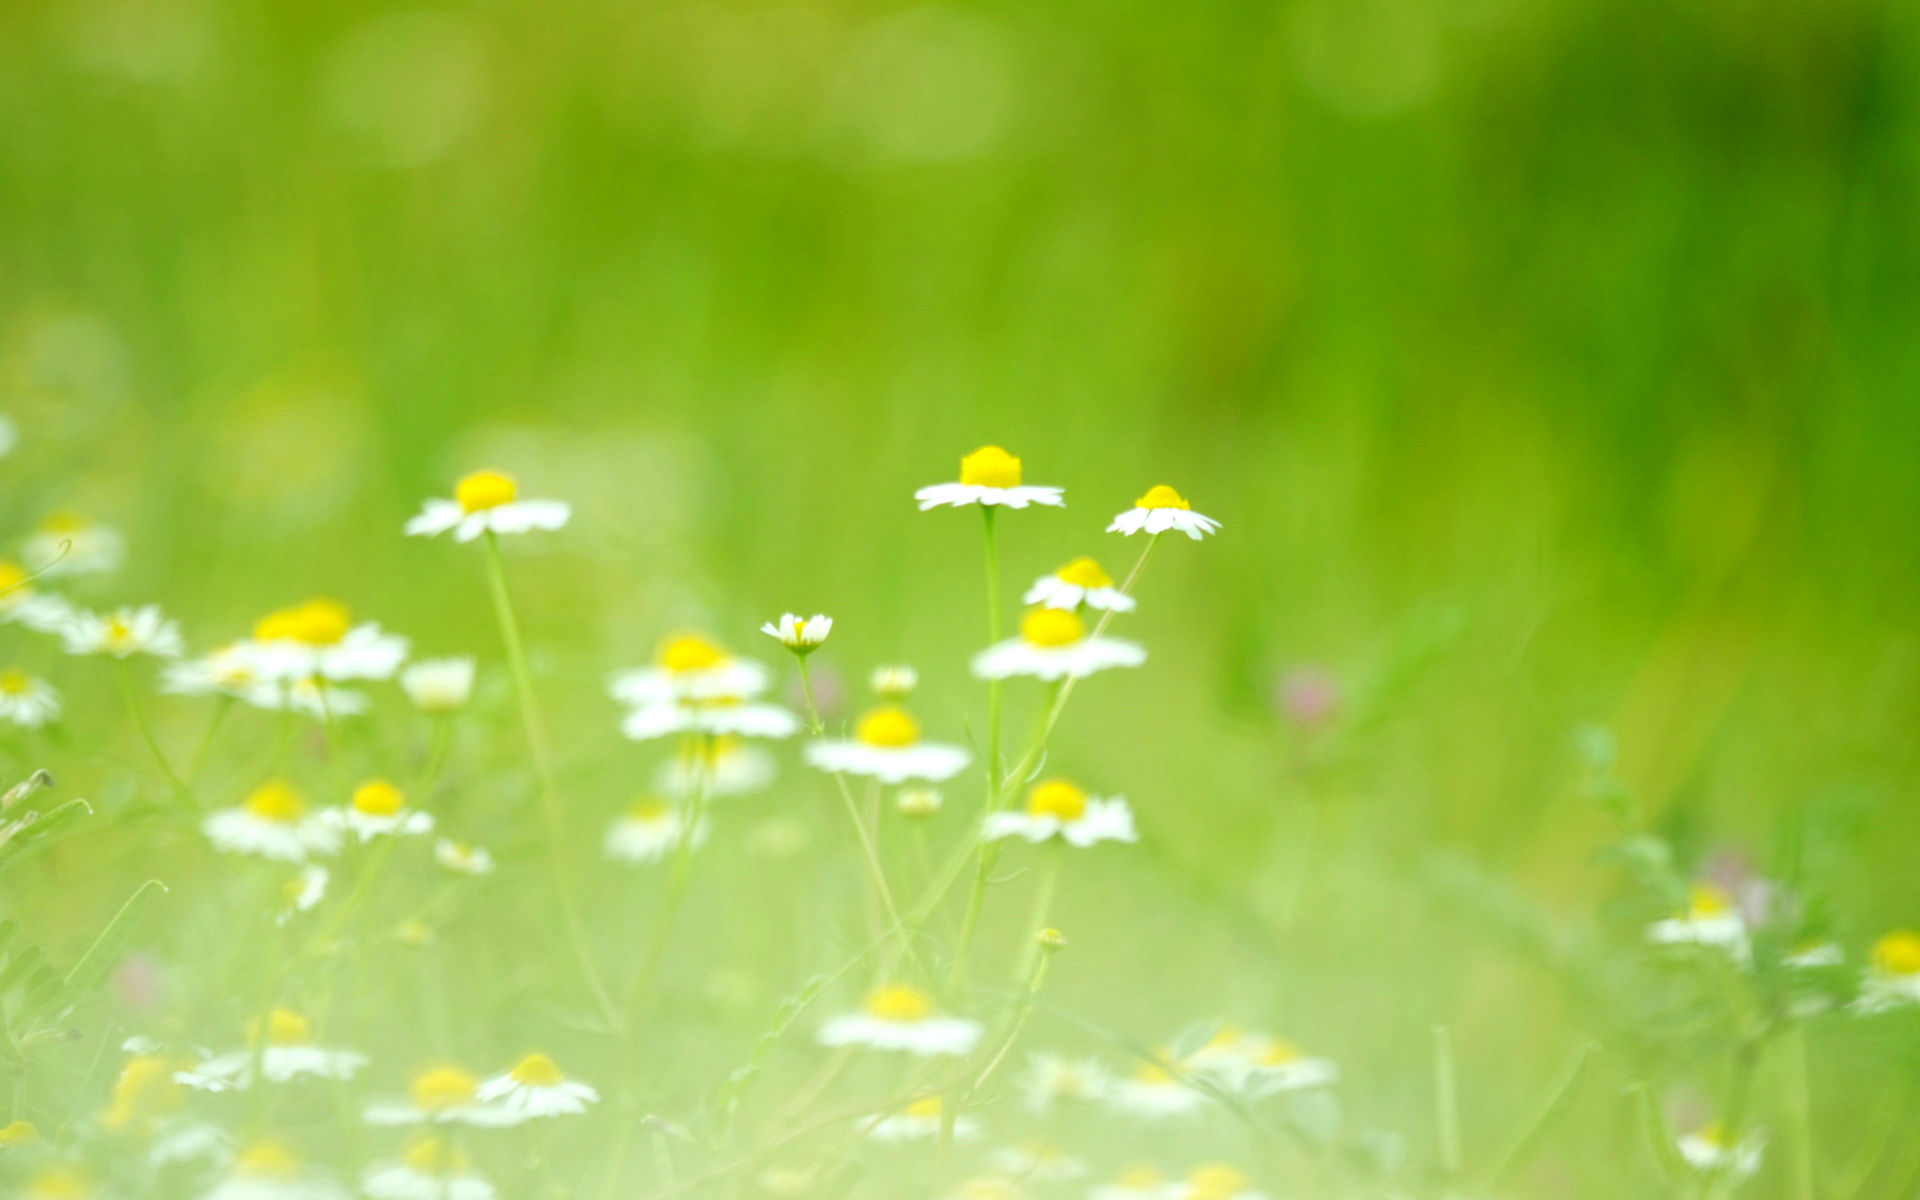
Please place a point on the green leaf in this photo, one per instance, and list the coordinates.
(107, 948)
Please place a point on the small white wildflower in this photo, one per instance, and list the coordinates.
(886, 746)
(899, 1017)
(273, 822)
(802, 635)
(988, 476)
(1079, 582)
(1054, 644)
(438, 686)
(26, 701)
(487, 501)
(1162, 509)
(1057, 808)
(123, 633)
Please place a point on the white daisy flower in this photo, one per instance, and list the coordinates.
(918, 801)
(313, 697)
(268, 1170)
(1079, 582)
(444, 1095)
(718, 718)
(1057, 808)
(1037, 1162)
(26, 701)
(893, 681)
(272, 822)
(487, 501)
(1051, 1080)
(802, 635)
(886, 745)
(1710, 920)
(1893, 976)
(145, 1093)
(689, 667)
(66, 543)
(379, 809)
(462, 858)
(438, 686)
(303, 892)
(1708, 1150)
(190, 1141)
(648, 832)
(1053, 644)
(920, 1121)
(431, 1169)
(1162, 509)
(1138, 1182)
(228, 671)
(1153, 1091)
(1215, 1181)
(899, 1017)
(123, 633)
(288, 1054)
(319, 639)
(22, 604)
(988, 476)
(1256, 1062)
(536, 1087)
(716, 766)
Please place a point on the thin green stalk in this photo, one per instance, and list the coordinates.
(1446, 1109)
(875, 871)
(124, 675)
(1527, 1143)
(995, 630)
(1037, 917)
(549, 790)
(218, 719)
(815, 725)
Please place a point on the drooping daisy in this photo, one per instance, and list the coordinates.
(1162, 509)
(921, 1120)
(26, 701)
(1057, 808)
(270, 1170)
(1037, 1162)
(303, 892)
(717, 766)
(438, 686)
(1141, 1181)
(988, 476)
(23, 604)
(66, 543)
(689, 667)
(893, 681)
(648, 832)
(462, 858)
(1216, 1181)
(379, 809)
(802, 635)
(431, 1169)
(1893, 973)
(1153, 1091)
(443, 1095)
(1709, 1150)
(536, 1087)
(1079, 582)
(319, 639)
(1053, 644)
(724, 717)
(899, 1017)
(886, 745)
(284, 1052)
(487, 502)
(1052, 1080)
(1710, 920)
(272, 822)
(123, 633)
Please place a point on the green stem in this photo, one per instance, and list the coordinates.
(1037, 916)
(1446, 1109)
(125, 677)
(219, 718)
(815, 725)
(995, 630)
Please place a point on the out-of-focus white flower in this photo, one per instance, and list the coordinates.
(1081, 581)
(715, 766)
(1893, 973)
(431, 1169)
(898, 1017)
(66, 543)
(487, 502)
(1708, 1150)
(1710, 920)
(988, 476)
(438, 686)
(462, 858)
(1259, 1063)
(303, 892)
(318, 638)
(886, 746)
(802, 635)
(22, 604)
(1138, 1182)
(26, 701)
(918, 801)
(272, 822)
(1054, 644)
(893, 681)
(1051, 1080)
(227, 671)
(1037, 1162)
(536, 1087)
(123, 633)
(1162, 509)
(378, 809)
(284, 1051)
(648, 832)
(443, 1095)
(919, 1121)
(716, 718)
(1059, 809)
(268, 1170)
(1215, 1181)
(689, 667)
(1154, 1091)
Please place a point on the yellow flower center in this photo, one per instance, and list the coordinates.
(118, 631)
(64, 520)
(442, 1088)
(537, 1070)
(145, 1089)
(1216, 1181)
(887, 726)
(286, 1028)
(1058, 799)
(318, 622)
(18, 1132)
(485, 489)
(378, 798)
(1898, 953)
(1161, 496)
(898, 1002)
(690, 652)
(15, 682)
(1153, 1073)
(990, 466)
(1278, 1053)
(648, 810)
(927, 1108)
(1086, 573)
(434, 1156)
(269, 1159)
(276, 800)
(1140, 1176)
(58, 1183)
(13, 577)
(1051, 627)
(1713, 1133)
(1706, 900)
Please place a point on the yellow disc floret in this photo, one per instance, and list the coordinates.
(13, 579)
(1278, 1053)
(485, 489)
(58, 1183)
(1140, 1177)
(1051, 627)
(537, 1070)
(690, 652)
(287, 1028)
(15, 682)
(888, 726)
(318, 622)
(1161, 496)
(440, 1088)
(275, 800)
(378, 798)
(146, 1089)
(899, 1002)
(1216, 1181)
(1898, 953)
(18, 1133)
(434, 1156)
(267, 1159)
(648, 810)
(927, 1108)
(990, 466)
(1086, 573)
(1058, 799)
(1707, 900)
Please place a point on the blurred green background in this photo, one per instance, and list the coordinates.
(1549, 362)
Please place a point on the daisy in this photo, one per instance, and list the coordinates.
(438, 686)
(26, 701)
(1053, 644)
(716, 766)
(535, 1087)
(893, 681)
(919, 1121)
(802, 635)
(1079, 582)
(988, 476)
(286, 1053)
(718, 718)
(68, 544)
(1216, 1181)
(431, 1169)
(1266, 1065)
(1137, 1182)
(318, 638)
(1893, 978)
(1057, 808)
(123, 633)
(144, 1093)
(1051, 1080)
(190, 1141)
(899, 1017)
(918, 802)
(272, 822)
(21, 603)
(1162, 509)
(1710, 920)
(1153, 1091)
(1037, 1162)
(886, 745)
(1707, 1150)
(444, 1095)
(303, 892)
(462, 858)
(312, 697)
(689, 667)
(228, 671)
(378, 809)
(648, 832)
(487, 502)
(268, 1170)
